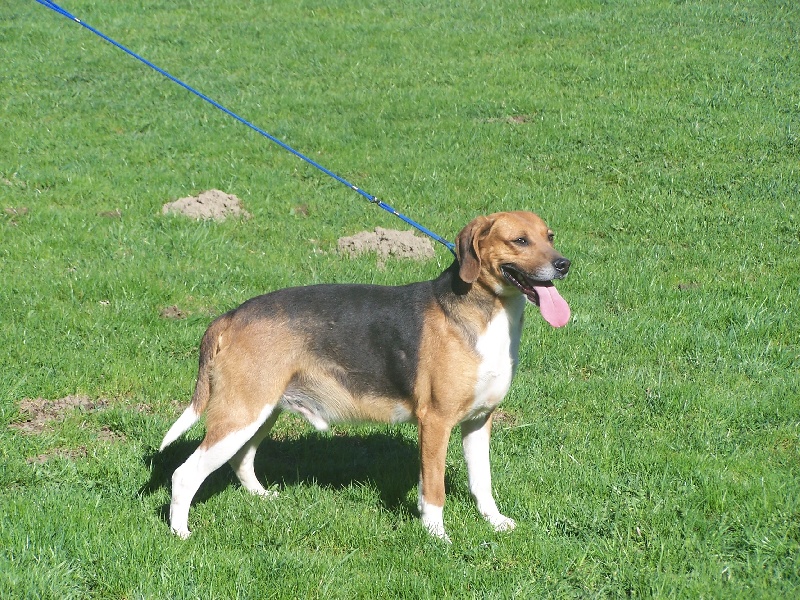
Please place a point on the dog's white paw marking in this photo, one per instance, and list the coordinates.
(263, 493)
(182, 533)
(501, 523)
(251, 484)
(436, 529)
(431, 517)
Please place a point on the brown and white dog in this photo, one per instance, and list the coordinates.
(437, 353)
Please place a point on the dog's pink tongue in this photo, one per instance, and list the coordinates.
(554, 308)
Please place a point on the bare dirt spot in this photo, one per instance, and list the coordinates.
(173, 312)
(41, 412)
(16, 211)
(14, 182)
(211, 204)
(386, 243)
(106, 434)
(512, 119)
(505, 419)
(13, 213)
(301, 210)
(68, 453)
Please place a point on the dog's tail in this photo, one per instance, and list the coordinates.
(209, 347)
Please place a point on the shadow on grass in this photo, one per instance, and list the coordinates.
(387, 461)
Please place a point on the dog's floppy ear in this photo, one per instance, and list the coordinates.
(469, 259)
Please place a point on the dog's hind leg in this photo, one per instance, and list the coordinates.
(243, 462)
(205, 460)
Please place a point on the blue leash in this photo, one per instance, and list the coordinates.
(55, 7)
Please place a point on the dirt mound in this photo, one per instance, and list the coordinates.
(386, 243)
(211, 204)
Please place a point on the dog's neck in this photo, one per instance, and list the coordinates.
(470, 305)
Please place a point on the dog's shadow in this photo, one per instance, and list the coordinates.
(387, 461)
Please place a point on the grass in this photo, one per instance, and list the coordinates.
(650, 448)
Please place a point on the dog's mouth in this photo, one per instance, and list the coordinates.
(543, 294)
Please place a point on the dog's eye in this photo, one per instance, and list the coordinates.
(521, 241)
(550, 236)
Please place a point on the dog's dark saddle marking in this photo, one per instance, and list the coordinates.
(371, 332)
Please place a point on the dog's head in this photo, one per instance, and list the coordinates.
(512, 253)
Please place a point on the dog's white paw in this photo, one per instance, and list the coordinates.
(266, 493)
(182, 533)
(501, 523)
(431, 517)
(436, 529)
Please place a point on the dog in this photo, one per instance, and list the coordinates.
(437, 353)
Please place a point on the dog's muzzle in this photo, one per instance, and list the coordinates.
(543, 294)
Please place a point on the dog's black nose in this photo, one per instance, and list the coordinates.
(561, 265)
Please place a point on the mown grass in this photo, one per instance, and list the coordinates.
(650, 448)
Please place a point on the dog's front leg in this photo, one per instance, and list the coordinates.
(475, 441)
(433, 439)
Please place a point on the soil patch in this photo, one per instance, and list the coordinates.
(211, 204)
(68, 453)
(40, 412)
(16, 211)
(173, 312)
(13, 213)
(386, 243)
(512, 119)
(106, 434)
(505, 419)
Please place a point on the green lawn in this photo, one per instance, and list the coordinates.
(651, 448)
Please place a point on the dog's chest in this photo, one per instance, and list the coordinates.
(498, 348)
